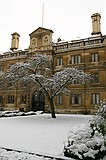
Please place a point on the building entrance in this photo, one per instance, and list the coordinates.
(38, 101)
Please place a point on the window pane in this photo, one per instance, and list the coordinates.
(92, 57)
(79, 99)
(95, 98)
(72, 59)
(76, 99)
(76, 59)
(59, 99)
(59, 61)
(72, 99)
(96, 57)
(11, 99)
(79, 59)
(23, 99)
(95, 78)
(1, 99)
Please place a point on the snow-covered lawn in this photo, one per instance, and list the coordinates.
(38, 133)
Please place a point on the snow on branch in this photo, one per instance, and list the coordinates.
(52, 86)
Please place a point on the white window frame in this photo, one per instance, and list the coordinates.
(76, 59)
(76, 99)
(95, 98)
(59, 61)
(94, 57)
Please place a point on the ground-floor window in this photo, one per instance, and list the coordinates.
(59, 100)
(95, 98)
(76, 99)
(23, 99)
(11, 99)
(1, 99)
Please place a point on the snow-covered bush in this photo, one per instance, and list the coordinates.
(98, 122)
(18, 113)
(88, 142)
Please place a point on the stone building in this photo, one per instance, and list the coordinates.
(87, 54)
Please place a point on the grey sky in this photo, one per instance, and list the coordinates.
(69, 19)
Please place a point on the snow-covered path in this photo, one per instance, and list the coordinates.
(39, 134)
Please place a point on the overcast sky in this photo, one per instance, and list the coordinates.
(69, 19)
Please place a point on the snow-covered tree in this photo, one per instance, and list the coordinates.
(51, 86)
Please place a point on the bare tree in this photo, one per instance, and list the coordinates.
(50, 86)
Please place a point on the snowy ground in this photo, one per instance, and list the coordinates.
(38, 133)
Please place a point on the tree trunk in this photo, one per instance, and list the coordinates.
(52, 107)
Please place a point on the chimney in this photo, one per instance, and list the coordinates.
(58, 39)
(96, 26)
(15, 41)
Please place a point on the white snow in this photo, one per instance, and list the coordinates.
(38, 133)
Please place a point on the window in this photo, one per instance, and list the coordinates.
(22, 53)
(11, 99)
(93, 42)
(23, 99)
(75, 81)
(76, 44)
(62, 47)
(94, 57)
(1, 99)
(38, 72)
(95, 78)
(59, 100)
(95, 98)
(1, 68)
(76, 59)
(1, 84)
(59, 61)
(76, 99)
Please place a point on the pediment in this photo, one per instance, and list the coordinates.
(41, 39)
(41, 30)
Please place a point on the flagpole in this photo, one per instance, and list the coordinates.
(42, 14)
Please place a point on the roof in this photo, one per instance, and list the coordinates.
(42, 29)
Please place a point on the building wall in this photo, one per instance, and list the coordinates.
(87, 54)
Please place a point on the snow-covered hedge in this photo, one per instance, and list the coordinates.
(14, 155)
(18, 113)
(88, 142)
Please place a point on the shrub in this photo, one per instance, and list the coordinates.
(88, 142)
